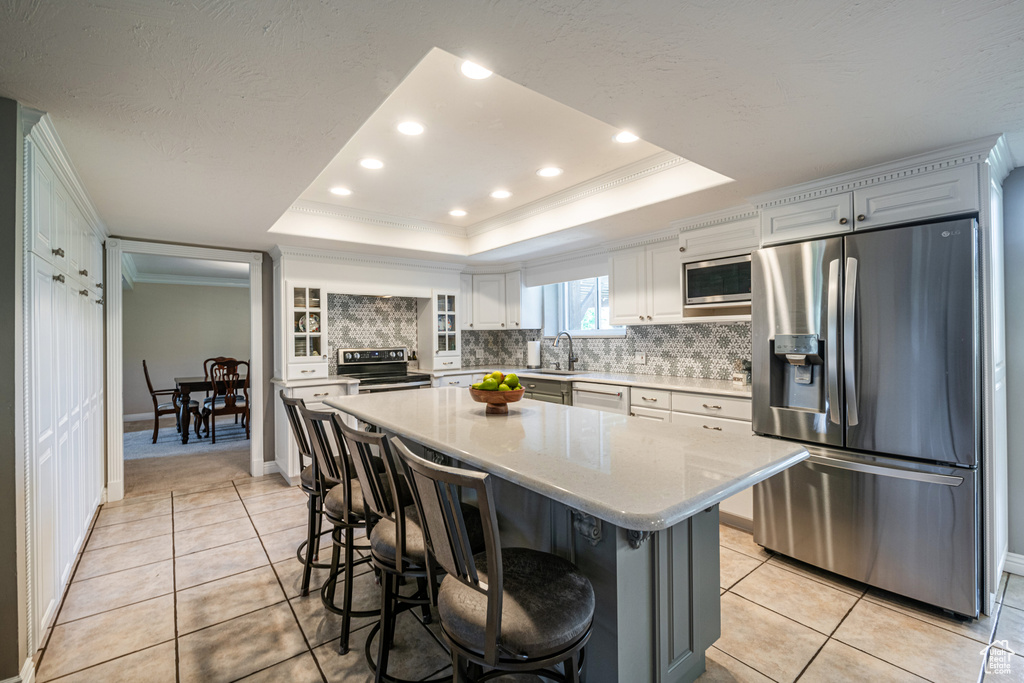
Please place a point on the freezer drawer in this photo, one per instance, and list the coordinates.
(907, 528)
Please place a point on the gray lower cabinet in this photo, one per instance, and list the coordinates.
(549, 390)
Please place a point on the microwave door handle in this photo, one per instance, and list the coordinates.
(832, 342)
(849, 340)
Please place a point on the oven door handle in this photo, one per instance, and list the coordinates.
(370, 388)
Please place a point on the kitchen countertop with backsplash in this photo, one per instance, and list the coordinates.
(721, 387)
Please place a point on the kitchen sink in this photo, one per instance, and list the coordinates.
(546, 371)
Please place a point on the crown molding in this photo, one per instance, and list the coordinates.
(158, 279)
(374, 218)
(971, 152)
(44, 136)
(1000, 160)
(29, 118)
(653, 164)
(281, 252)
(128, 270)
(493, 268)
(568, 256)
(731, 215)
(643, 240)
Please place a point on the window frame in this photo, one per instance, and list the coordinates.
(553, 326)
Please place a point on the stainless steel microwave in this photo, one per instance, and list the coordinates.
(718, 282)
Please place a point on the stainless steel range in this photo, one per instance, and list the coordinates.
(380, 369)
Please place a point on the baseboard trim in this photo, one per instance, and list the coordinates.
(27, 674)
(137, 417)
(270, 467)
(1014, 564)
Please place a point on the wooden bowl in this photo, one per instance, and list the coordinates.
(497, 401)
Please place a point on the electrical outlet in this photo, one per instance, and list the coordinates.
(640, 357)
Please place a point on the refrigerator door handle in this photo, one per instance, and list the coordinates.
(849, 340)
(895, 472)
(832, 342)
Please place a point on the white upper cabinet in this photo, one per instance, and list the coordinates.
(645, 285)
(513, 300)
(664, 284)
(489, 302)
(714, 241)
(928, 195)
(803, 220)
(440, 342)
(41, 207)
(466, 301)
(627, 287)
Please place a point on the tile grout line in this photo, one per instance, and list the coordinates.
(174, 585)
(298, 624)
(828, 639)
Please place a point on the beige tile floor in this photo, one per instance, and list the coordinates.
(201, 584)
(785, 621)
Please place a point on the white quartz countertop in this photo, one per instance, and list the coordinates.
(331, 379)
(636, 474)
(719, 387)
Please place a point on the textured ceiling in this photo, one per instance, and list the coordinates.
(202, 121)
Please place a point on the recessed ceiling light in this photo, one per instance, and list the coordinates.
(410, 128)
(626, 136)
(474, 71)
(342, 191)
(501, 194)
(549, 172)
(372, 163)
(457, 212)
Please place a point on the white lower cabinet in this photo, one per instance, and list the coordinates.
(652, 414)
(286, 450)
(457, 380)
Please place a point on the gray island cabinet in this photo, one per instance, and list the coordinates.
(633, 503)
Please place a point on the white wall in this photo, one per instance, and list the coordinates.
(175, 328)
(1013, 241)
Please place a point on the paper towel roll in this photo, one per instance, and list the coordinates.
(533, 354)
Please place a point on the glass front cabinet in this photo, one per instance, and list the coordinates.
(307, 321)
(440, 341)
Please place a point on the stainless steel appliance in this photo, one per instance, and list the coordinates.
(380, 369)
(865, 348)
(718, 282)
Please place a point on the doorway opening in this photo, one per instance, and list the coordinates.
(176, 310)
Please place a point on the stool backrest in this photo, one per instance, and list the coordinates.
(435, 490)
(383, 493)
(291, 409)
(326, 446)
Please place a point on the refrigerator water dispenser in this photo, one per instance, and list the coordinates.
(797, 361)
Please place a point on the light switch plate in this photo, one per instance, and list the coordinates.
(640, 357)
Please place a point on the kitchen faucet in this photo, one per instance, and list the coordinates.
(572, 358)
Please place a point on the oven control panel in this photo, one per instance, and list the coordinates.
(359, 356)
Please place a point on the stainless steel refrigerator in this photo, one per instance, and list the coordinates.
(865, 347)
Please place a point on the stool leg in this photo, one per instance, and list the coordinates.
(572, 668)
(346, 618)
(319, 527)
(335, 561)
(387, 617)
(312, 541)
(421, 584)
(457, 675)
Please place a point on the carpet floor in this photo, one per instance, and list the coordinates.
(139, 444)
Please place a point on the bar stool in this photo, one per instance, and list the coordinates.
(397, 545)
(344, 508)
(512, 609)
(309, 482)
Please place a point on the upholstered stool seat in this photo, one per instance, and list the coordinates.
(334, 502)
(307, 478)
(383, 542)
(547, 604)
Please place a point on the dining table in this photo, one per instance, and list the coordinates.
(185, 387)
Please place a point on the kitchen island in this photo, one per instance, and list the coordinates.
(634, 504)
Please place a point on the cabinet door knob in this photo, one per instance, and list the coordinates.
(84, 273)
(682, 248)
(58, 252)
(83, 292)
(99, 285)
(503, 324)
(58, 278)
(843, 221)
(471, 324)
(650, 318)
(641, 317)
(861, 217)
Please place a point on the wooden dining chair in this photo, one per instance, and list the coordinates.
(230, 393)
(166, 408)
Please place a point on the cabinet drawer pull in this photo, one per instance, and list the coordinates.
(532, 386)
(716, 429)
(652, 400)
(599, 393)
(58, 252)
(58, 278)
(448, 362)
(326, 393)
(634, 414)
(305, 371)
(454, 381)
(711, 407)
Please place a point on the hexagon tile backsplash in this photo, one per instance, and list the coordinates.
(696, 350)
